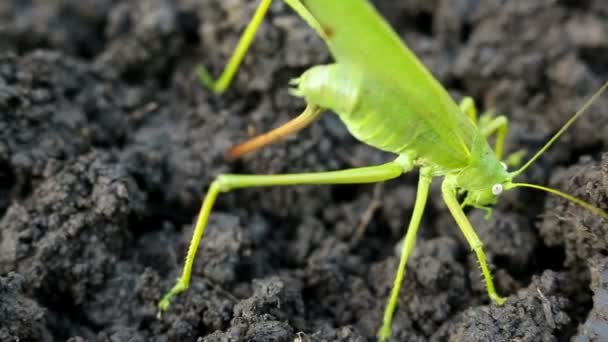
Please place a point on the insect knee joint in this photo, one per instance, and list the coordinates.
(221, 183)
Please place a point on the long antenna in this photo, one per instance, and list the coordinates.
(570, 198)
(580, 112)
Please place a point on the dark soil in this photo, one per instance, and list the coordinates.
(107, 144)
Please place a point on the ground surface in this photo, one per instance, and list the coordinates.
(107, 144)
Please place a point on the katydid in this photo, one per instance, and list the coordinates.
(389, 100)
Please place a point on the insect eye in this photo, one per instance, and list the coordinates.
(504, 166)
(497, 189)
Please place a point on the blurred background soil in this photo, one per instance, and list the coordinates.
(108, 142)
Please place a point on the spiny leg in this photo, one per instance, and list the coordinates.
(228, 182)
(449, 196)
(223, 82)
(424, 183)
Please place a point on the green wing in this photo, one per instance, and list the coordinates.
(358, 36)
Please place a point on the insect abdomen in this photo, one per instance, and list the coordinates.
(329, 86)
(378, 113)
(341, 89)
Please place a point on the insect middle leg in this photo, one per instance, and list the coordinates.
(450, 199)
(489, 123)
(424, 184)
(228, 182)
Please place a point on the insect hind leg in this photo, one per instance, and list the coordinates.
(229, 182)
(223, 82)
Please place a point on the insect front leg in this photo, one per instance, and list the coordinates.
(449, 197)
(228, 182)
(223, 82)
(424, 184)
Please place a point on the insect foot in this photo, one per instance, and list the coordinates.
(498, 300)
(164, 303)
(384, 333)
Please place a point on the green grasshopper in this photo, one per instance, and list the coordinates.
(389, 100)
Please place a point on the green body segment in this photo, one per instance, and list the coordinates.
(384, 116)
(398, 105)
